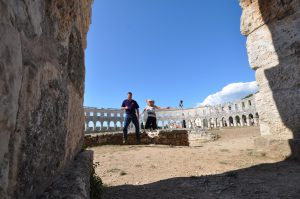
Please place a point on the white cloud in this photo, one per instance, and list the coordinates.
(231, 92)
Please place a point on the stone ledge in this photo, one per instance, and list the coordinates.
(74, 182)
(164, 137)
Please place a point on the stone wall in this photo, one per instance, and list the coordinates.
(165, 137)
(273, 44)
(42, 84)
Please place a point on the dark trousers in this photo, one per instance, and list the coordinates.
(151, 123)
(135, 121)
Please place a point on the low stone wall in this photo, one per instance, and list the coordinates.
(164, 137)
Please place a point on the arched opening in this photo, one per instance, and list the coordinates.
(244, 120)
(98, 126)
(118, 125)
(166, 124)
(224, 123)
(237, 120)
(105, 126)
(91, 126)
(159, 124)
(198, 122)
(205, 123)
(230, 119)
(251, 120)
(111, 126)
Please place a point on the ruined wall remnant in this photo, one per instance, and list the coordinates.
(41, 88)
(273, 44)
(179, 137)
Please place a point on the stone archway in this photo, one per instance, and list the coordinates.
(43, 77)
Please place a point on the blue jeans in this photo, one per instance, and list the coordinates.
(135, 121)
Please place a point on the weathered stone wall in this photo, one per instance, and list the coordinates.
(273, 44)
(164, 137)
(41, 88)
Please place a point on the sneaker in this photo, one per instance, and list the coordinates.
(124, 141)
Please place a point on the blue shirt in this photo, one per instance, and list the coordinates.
(132, 105)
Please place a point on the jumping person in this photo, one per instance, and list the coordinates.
(150, 110)
(131, 108)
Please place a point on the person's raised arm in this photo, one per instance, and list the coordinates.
(158, 107)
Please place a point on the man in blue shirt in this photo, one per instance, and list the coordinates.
(131, 108)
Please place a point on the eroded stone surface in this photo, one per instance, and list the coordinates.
(74, 182)
(273, 38)
(42, 85)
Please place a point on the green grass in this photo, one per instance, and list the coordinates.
(96, 184)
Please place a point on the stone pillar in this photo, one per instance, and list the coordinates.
(248, 121)
(272, 30)
(221, 124)
(94, 126)
(235, 123)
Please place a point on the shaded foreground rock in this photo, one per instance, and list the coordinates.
(74, 182)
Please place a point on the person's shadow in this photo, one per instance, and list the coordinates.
(279, 82)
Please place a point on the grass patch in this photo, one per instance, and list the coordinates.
(114, 170)
(222, 162)
(224, 150)
(96, 184)
(256, 153)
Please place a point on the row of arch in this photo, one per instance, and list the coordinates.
(231, 121)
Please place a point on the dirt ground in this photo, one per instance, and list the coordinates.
(226, 168)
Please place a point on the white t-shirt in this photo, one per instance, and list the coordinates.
(150, 111)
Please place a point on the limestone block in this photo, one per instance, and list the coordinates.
(42, 81)
(10, 85)
(256, 13)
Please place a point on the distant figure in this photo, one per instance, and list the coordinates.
(150, 110)
(131, 108)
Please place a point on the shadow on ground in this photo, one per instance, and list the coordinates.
(276, 180)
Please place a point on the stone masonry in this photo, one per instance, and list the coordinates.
(273, 44)
(164, 137)
(41, 87)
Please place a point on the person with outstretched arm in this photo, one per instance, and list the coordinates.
(151, 116)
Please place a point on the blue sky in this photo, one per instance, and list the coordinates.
(166, 50)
